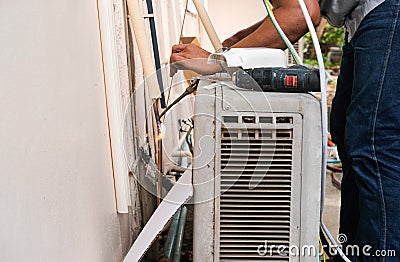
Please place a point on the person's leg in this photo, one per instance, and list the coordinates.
(349, 211)
(372, 135)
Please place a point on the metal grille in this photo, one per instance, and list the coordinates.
(255, 182)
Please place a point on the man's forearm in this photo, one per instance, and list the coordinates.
(291, 20)
(262, 34)
(242, 34)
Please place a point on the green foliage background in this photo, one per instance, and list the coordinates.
(332, 37)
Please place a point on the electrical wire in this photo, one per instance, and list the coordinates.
(156, 51)
(324, 108)
(335, 180)
(324, 111)
(287, 42)
(335, 245)
(179, 40)
(188, 134)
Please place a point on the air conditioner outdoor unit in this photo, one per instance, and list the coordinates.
(256, 171)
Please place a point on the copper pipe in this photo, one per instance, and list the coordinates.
(159, 151)
(189, 90)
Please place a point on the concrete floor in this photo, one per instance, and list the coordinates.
(332, 207)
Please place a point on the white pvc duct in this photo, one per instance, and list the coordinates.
(144, 47)
(114, 105)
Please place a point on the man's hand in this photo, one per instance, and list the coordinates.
(191, 57)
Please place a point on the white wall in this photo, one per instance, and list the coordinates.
(230, 16)
(57, 198)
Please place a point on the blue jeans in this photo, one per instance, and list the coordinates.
(365, 125)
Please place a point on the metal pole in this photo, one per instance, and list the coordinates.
(171, 238)
(180, 235)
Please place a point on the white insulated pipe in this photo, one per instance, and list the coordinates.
(144, 47)
(205, 19)
(114, 105)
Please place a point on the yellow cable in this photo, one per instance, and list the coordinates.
(322, 248)
(270, 7)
